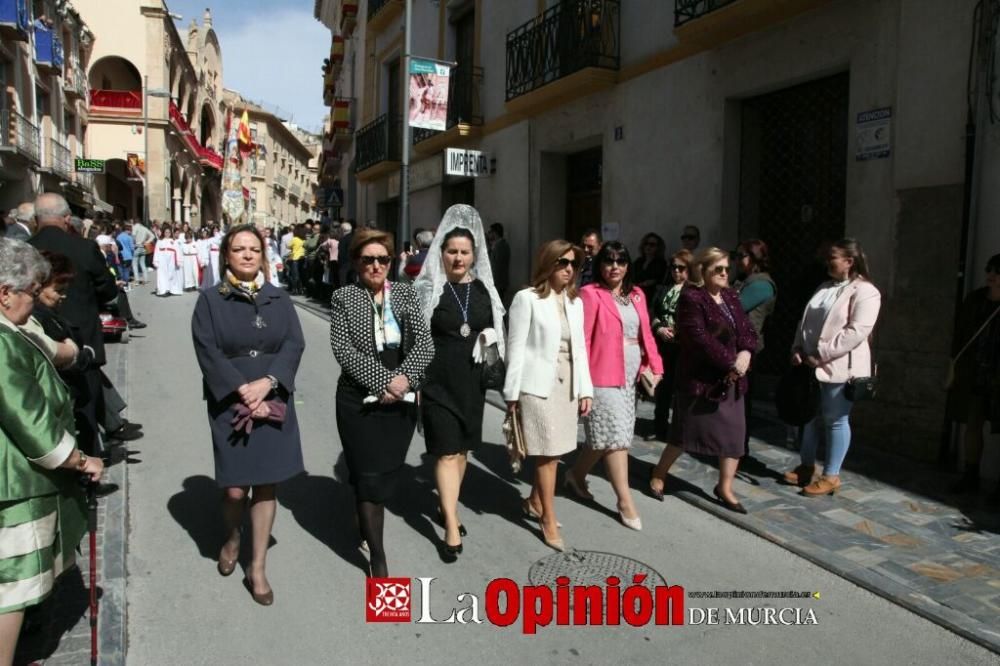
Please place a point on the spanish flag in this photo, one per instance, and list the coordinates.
(243, 133)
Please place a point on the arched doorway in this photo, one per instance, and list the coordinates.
(114, 73)
(121, 192)
(207, 126)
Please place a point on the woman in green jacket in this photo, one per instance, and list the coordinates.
(42, 508)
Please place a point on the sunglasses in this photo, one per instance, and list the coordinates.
(563, 262)
(688, 237)
(617, 261)
(719, 270)
(741, 255)
(651, 244)
(679, 268)
(383, 259)
(993, 269)
(33, 293)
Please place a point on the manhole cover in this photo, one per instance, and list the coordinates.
(588, 567)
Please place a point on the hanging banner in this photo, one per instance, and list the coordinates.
(135, 167)
(429, 94)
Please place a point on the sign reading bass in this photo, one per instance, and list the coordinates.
(470, 163)
(88, 166)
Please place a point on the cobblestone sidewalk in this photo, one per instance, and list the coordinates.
(893, 535)
(57, 632)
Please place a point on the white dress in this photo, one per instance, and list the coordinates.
(167, 261)
(189, 249)
(210, 276)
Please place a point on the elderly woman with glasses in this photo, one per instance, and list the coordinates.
(663, 321)
(42, 509)
(620, 346)
(548, 379)
(717, 343)
(383, 344)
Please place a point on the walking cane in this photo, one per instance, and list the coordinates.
(92, 529)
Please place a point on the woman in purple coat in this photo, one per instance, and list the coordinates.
(717, 342)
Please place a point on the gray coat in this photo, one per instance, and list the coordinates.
(232, 351)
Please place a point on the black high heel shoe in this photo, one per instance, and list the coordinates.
(735, 507)
(462, 532)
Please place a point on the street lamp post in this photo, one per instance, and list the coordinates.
(146, 94)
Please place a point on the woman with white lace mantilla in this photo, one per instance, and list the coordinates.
(465, 315)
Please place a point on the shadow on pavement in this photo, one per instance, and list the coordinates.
(46, 624)
(198, 510)
(324, 507)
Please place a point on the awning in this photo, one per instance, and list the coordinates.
(103, 206)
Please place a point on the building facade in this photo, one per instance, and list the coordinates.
(798, 122)
(156, 112)
(280, 172)
(44, 52)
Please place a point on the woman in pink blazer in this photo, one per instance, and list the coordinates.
(833, 338)
(620, 346)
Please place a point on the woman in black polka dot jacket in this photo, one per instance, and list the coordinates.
(383, 344)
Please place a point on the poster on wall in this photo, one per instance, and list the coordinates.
(872, 134)
(135, 167)
(429, 94)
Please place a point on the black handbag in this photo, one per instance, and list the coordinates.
(797, 395)
(861, 389)
(494, 370)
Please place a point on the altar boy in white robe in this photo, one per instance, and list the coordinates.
(189, 263)
(167, 261)
(210, 276)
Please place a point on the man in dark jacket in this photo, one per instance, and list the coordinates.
(91, 286)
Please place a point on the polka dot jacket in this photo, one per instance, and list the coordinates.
(352, 337)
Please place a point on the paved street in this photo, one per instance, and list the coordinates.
(181, 611)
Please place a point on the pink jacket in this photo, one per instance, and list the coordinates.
(843, 344)
(602, 329)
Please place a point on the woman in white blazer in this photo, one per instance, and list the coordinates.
(832, 337)
(548, 377)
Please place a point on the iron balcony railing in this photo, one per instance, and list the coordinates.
(464, 104)
(378, 141)
(59, 158)
(295, 191)
(281, 181)
(5, 129)
(689, 10)
(567, 37)
(28, 137)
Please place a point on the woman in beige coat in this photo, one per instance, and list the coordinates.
(833, 338)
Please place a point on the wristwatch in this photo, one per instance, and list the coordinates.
(274, 382)
(82, 462)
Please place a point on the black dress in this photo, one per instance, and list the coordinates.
(231, 350)
(376, 437)
(453, 399)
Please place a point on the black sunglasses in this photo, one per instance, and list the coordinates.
(688, 237)
(563, 262)
(615, 261)
(383, 259)
(679, 267)
(993, 268)
(719, 270)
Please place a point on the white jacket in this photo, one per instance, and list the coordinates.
(533, 346)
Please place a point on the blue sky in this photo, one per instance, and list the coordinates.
(272, 51)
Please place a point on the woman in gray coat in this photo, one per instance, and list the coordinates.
(249, 343)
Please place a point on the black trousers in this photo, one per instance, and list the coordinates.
(664, 394)
(88, 410)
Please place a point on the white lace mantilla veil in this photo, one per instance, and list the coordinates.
(429, 285)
